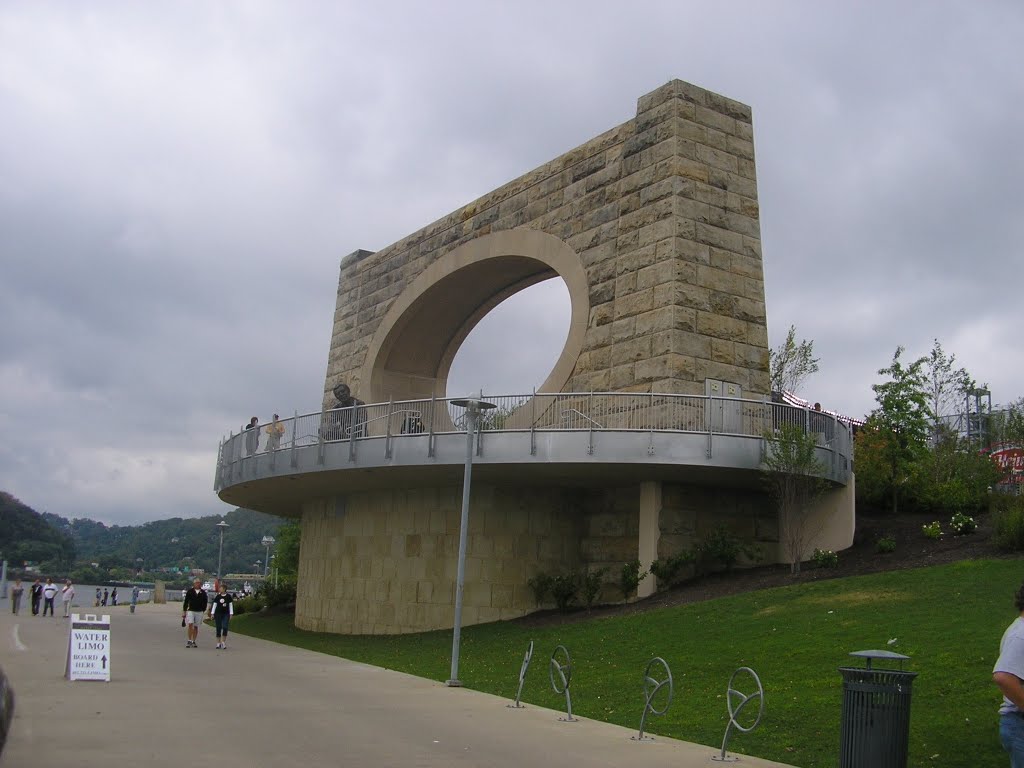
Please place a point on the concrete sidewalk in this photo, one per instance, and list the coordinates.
(264, 704)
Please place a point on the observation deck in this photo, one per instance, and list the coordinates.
(564, 439)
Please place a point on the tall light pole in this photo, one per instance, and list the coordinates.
(268, 542)
(220, 553)
(473, 410)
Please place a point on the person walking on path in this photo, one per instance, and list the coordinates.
(1008, 675)
(106, 596)
(99, 596)
(36, 594)
(192, 610)
(113, 596)
(135, 597)
(16, 592)
(67, 594)
(222, 610)
(49, 592)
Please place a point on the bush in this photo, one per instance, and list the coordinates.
(667, 571)
(591, 582)
(825, 558)
(722, 547)
(1008, 528)
(540, 586)
(886, 544)
(564, 589)
(932, 530)
(271, 596)
(962, 524)
(629, 578)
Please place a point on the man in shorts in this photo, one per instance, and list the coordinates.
(192, 610)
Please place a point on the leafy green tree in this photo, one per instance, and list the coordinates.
(954, 477)
(792, 474)
(791, 364)
(946, 387)
(902, 422)
(1007, 424)
(289, 536)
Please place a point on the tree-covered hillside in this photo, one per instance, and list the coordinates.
(61, 546)
(26, 535)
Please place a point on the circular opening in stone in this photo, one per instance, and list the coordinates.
(515, 346)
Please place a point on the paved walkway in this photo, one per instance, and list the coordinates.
(264, 704)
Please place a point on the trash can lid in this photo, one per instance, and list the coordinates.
(869, 655)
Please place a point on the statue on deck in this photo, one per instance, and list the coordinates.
(345, 417)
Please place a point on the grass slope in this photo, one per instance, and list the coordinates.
(948, 619)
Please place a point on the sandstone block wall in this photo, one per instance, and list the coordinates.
(384, 562)
(662, 212)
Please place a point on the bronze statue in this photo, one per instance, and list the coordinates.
(345, 417)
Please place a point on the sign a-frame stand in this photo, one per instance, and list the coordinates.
(88, 648)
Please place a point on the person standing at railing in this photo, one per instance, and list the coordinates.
(275, 429)
(252, 435)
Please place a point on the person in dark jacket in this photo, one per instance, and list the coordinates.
(36, 594)
(192, 610)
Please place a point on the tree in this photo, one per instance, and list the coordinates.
(902, 420)
(791, 364)
(792, 473)
(1007, 424)
(946, 386)
(288, 539)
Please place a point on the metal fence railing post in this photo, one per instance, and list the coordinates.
(295, 428)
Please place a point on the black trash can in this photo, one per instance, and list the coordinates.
(875, 721)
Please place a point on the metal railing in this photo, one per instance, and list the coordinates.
(536, 412)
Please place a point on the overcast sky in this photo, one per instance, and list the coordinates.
(178, 182)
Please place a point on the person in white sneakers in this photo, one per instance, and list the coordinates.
(67, 594)
(222, 610)
(192, 609)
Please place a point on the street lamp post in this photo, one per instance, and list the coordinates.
(268, 542)
(220, 552)
(473, 410)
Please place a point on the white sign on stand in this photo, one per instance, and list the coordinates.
(88, 648)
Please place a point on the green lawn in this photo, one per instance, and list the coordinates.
(948, 619)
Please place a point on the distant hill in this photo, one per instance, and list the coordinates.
(58, 542)
(27, 535)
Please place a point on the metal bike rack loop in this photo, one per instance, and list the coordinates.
(652, 687)
(522, 677)
(733, 695)
(563, 669)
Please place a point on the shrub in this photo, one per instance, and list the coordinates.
(667, 571)
(825, 558)
(564, 589)
(932, 530)
(1008, 528)
(273, 596)
(722, 547)
(962, 524)
(886, 544)
(591, 582)
(629, 578)
(540, 586)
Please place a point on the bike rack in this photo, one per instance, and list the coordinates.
(652, 686)
(564, 670)
(522, 677)
(734, 695)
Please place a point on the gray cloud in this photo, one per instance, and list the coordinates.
(179, 182)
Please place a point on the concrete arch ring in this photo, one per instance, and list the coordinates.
(411, 353)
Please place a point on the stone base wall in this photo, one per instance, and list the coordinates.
(384, 562)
